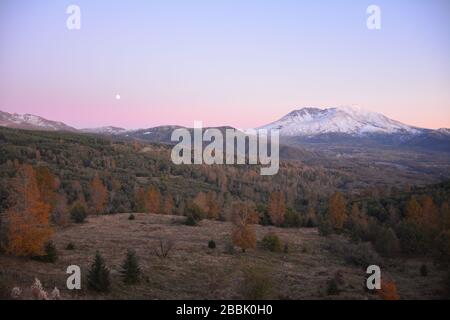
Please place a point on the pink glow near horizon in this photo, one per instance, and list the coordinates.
(174, 62)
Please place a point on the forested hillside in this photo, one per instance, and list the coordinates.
(126, 166)
(53, 180)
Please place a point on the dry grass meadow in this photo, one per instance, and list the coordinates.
(194, 271)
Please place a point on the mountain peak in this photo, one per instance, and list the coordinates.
(31, 122)
(311, 121)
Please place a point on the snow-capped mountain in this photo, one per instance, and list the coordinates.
(110, 130)
(31, 122)
(353, 121)
(444, 131)
(317, 126)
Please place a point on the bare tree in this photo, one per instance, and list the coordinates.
(164, 247)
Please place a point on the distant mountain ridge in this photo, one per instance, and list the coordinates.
(31, 122)
(105, 130)
(327, 126)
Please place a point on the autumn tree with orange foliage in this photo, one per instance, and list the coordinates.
(140, 200)
(423, 214)
(277, 208)
(337, 211)
(413, 211)
(201, 201)
(168, 204)
(213, 205)
(153, 200)
(208, 203)
(430, 214)
(388, 291)
(243, 232)
(99, 195)
(47, 184)
(28, 216)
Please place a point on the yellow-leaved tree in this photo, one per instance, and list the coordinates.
(337, 210)
(153, 200)
(277, 208)
(28, 216)
(99, 195)
(243, 217)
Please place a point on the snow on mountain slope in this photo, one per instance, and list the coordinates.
(105, 130)
(354, 121)
(31, 122)
(444, 131)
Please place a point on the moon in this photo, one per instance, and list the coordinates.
(117, 96)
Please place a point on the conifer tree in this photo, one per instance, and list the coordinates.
(98, 277)
(130, 268)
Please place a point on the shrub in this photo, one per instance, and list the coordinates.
(339, 278)
(37, 290)
(51, 254)
(70, 246)
(163, 249)
(271, 242)
(130, 268)
(361, 254)
(194, 214)
(264, 217)
(98, 277)
(131, 217)
(78, 213)
(55, 294)
(229, 248)
(424, 270)
(257, 283)
(388, 291)
(16, 293)
(447, 285)
(310, 223)
(291, 219)
(211, 244)
(190, 221)
(324, 226)
(332, 287)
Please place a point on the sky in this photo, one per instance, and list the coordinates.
(223, 62)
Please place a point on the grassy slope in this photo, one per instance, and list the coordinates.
(192, 271)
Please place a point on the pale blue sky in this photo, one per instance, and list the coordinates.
(242, 63)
